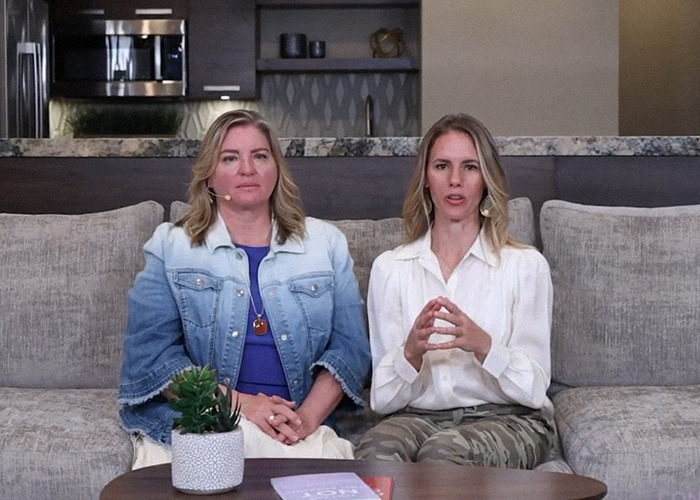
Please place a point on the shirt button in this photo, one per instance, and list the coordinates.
(240, 293)
(239, 255)
(314, 287)
(283, 336)
(271, 294)
(234, 334)
(199, 282)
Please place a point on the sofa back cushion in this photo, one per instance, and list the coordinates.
(63, 286)
(367, 239)
(521, 221)
(626, 293)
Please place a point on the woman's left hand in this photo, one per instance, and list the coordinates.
(468, 336)
(324, 396)
(301, 430)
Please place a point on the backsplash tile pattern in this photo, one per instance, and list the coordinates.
(300, 105)
(333, 105)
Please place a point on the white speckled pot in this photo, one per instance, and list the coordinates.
(205, 464)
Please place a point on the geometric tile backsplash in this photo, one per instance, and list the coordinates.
(333, 104)
(300, 105)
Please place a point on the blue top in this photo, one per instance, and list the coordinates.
(189, 306)
(261, 367)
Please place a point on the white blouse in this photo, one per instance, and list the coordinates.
(510, 299)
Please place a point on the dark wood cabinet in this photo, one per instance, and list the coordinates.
(151, 9)
(221, 49)
(70, 10)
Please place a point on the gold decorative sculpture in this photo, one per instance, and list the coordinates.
(387, 43)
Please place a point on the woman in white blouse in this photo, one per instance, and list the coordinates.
(460, 318)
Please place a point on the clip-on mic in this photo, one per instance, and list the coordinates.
(226, 197)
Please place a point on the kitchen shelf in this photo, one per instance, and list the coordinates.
(350, 64)
(339, 4)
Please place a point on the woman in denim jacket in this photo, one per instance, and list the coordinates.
(248, 284)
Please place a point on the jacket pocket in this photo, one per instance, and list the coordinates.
(198, 297)
(314, 296)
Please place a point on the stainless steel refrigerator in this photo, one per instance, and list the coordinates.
(24, 95)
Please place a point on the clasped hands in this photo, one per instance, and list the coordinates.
(468, 336)
(277, 417)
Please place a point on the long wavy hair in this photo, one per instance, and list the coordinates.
(285, 201)
(418, 209)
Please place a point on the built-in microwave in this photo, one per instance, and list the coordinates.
(119, 58)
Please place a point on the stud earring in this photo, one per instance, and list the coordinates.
(487, 206)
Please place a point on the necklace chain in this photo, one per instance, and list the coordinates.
(259, 323)
(252, 301)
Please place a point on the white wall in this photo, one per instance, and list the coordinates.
(523, 67)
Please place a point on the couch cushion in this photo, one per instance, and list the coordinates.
(63, 285)
(643, 442)
(177, 210)
(366, 240)
(521, 221)
(626, 293)
(62, 444)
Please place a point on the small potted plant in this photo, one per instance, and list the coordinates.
(207, 443)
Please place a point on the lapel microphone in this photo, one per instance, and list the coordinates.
(226, 197)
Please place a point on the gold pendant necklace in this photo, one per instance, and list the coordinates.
(259, 323)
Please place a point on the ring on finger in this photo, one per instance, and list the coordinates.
(271, 418)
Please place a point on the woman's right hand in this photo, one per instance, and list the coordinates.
(258, 408)
(423, 327)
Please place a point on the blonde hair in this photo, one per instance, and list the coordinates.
(285, 201)
(418, 210)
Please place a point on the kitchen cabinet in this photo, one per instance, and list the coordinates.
(71, 10)
(345, 25)
(221, 49)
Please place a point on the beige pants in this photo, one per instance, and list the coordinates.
(323, 443)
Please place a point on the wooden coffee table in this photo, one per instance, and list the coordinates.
(412, 481)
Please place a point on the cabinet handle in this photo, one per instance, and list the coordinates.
(221, 88)
(153, 12)
(91, 12)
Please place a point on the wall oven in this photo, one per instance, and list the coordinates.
(119, 58)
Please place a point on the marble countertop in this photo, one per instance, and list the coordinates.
(359, 147)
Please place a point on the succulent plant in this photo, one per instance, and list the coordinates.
(203, 405)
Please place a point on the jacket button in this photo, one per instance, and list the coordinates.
(283, 336)
(314, 287)
(234, 334)
(240, 293)
(199, 282)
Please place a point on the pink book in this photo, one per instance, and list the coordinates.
(381, 485)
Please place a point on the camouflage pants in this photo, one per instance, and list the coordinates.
(490, 435)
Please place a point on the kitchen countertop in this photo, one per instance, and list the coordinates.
(356, 147)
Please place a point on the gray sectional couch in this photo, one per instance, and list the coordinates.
(625, 343)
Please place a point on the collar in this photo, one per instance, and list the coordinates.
(481, 249)
(218, 236)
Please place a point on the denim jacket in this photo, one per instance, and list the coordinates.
(189, 306)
